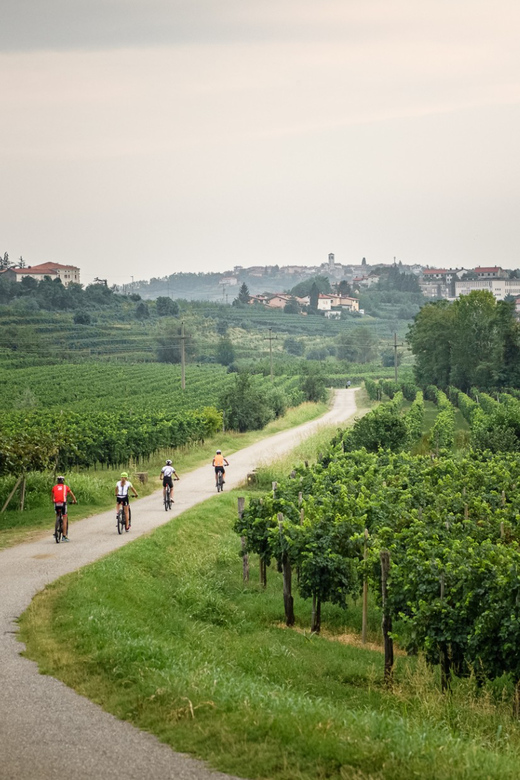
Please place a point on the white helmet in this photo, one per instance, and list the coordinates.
(219, 452)
(168, 463)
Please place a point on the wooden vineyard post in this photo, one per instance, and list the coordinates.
(288, 600)
(443, 650)
(11, 494)
(387, 618)
(316, 614)
(263, 573)
(365, 593)
(22, 493)
(516, 700)
(274, 486)
(245, 555)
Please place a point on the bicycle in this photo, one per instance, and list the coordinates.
(220, 482)
(58, 525)
(120, 519)
(167, 498)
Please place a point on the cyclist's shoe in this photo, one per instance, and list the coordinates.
(65, 539)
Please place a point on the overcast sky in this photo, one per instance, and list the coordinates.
(145, 137)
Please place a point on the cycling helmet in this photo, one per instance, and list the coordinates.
(61, 479)
(219, 452)
(168, 463)
(124, 474)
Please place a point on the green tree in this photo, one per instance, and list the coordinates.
(314, 295)
(294, 346)
(430, 338)
(142, 312)
(303, 289)
(243, 295)
(169, 343)
(358, 345)
(244, 405)
(225, 352)
(313, 387)
(292, 307)
(165, 307)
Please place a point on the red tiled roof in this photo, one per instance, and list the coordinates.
(44, 268)
(495, 269)
(436, 271)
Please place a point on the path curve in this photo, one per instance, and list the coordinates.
(49, 732)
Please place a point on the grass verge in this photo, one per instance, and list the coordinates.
(165, 634)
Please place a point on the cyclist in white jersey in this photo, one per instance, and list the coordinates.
(168, 474)
(122, 488)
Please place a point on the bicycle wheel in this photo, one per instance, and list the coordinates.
(58, 528)
(167, 499)
(129, 518)
(120, 520)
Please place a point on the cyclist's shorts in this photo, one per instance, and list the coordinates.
(219, 468)
(167, 481)
(123, 500)
(58, 506)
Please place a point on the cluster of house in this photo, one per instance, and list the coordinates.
(442, 283)
(67, 273)
(331, 304)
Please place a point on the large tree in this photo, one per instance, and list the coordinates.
(473, 341)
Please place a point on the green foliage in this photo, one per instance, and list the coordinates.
(225, 352)
(358, 345)
(313, 386)
(166, 307)
(245, 406)
(382, 428)
(294, 346)
(303, 289)
(169, 343)
(474, 341)
(81, 317)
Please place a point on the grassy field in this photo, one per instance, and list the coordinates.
(94, 489)
(183, 648)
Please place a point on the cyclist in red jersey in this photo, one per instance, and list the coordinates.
(59, 492)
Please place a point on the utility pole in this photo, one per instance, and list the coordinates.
(183, 358)
(270, 339)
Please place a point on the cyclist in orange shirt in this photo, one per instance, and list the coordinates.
(60, 491)
(219, 461)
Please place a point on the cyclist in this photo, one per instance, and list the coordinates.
(168, 474)
(60, 491)
(122, 488)
(219, 461)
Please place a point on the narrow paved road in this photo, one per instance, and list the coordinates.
(47, 731)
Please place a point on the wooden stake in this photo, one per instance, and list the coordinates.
(288, 600)
(11, 494)
(365, 593)
(22, 493)
(387, 618)
(245, 556)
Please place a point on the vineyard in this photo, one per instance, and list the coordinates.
(86, 415)
(435, 538)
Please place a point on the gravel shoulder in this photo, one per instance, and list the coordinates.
(47, 731)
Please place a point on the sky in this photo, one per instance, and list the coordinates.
(140, 138)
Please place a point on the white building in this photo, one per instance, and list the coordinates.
(67, 273)
(500, 288)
